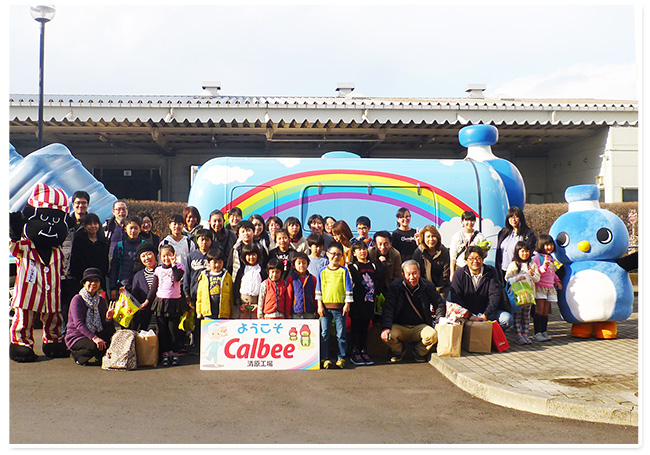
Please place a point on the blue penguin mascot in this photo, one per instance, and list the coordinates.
(596, 290)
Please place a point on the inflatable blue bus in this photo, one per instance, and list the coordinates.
(346, 186)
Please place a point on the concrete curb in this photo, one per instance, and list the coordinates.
(534, 402)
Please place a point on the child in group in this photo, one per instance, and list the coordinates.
(214, 293)
(260, 236)
(141, 285)
(316, 259)
(317, 225)
(196, 263)
(283, 251)
(246, 233)
(182, 244)
(234, 217)
(462, 239)
(363, 229)
(545, 292)
(522, 268)
(341, 233)
(273, 224)
(124, 260)
(294, 228)
(301, 288)
(333, 296)
(146, 233)
(247, 283)
(404, 238)
(273, 299)
(365, 289)
(168, 304)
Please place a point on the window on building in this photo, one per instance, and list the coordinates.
(630, 195)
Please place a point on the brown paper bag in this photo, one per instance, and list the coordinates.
(449, 339)
(477, 336)
(146, 348)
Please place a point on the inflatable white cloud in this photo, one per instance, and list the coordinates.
(222, 175)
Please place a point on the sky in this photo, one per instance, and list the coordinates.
(410, 50)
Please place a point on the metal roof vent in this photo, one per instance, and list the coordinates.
(210, 89)
(344, 88)
(475, 90)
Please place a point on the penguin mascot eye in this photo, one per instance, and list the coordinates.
(604, 235)
(562, 239)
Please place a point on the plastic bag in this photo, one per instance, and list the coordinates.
(187, 321)
(125, 308)
(524, 293)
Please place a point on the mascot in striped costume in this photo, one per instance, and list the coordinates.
(36, 235)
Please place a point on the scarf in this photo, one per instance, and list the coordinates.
(93, 318)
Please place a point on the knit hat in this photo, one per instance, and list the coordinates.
(46, 197)
(91, 272)
(146, 246)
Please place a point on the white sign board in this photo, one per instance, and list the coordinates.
(264, 344)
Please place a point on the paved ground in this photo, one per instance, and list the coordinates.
(54, 401)
(586, 379)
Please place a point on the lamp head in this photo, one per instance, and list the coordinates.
(42, 13)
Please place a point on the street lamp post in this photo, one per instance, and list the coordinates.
(42, 14)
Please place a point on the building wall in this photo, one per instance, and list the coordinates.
(621, 163)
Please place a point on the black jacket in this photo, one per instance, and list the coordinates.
(435, 268)
(424, 298)
(486, 298)
(528, 236)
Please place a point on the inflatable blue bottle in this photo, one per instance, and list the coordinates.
(55, 166)
(596, 291)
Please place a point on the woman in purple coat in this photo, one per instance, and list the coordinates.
(90, 321)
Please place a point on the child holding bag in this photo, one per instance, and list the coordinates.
(545, 292)
(168, 303)
(520, 269)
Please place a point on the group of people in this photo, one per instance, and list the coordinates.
(253, 268)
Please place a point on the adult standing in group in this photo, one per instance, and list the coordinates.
(477, 287)
(515, 230)
(114, 226)
(317, 225)
(146, 229)
(404, 238)
(433, 258)
(90, 320)
(70, 286)
(385, 257)
(222, 238)
(89, 250)
(462, 239)
(406, 315)
(192, 219)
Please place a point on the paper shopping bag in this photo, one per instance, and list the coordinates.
(499, 341)
(449, 339)
(477, 336)
(125, 308)
(146, 348)
(524, 293)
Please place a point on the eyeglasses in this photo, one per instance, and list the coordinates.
(80, 203)
(474, 259)
(334, 253)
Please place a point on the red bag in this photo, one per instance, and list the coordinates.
(499, 340)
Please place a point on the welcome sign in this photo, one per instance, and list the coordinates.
(264, 344)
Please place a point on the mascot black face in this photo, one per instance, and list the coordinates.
(45, 227)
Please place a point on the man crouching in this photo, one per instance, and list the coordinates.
(406, 315)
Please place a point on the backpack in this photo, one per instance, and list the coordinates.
(121, 353)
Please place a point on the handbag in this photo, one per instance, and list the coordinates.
(125, 308)
(187, 321)
(499, 340)
(449, 339)
(121, 354)
(523, 292)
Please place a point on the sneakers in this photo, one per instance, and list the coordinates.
(175, 359)
(165, 359)
(521, 339)
(327, 364)
(539, 336)
(397, 357)
(366, 358)
(340, 363)
(420, 358)
(356, 358)
(546, 335)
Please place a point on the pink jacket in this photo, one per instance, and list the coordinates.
(548, 278)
